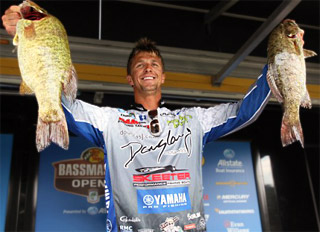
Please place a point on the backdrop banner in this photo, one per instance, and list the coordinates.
(6, 141)
(230, 196)
(71, 188)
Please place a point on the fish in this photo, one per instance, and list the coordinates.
(286, 77)
(46, 70)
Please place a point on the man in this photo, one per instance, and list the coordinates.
(152, 154)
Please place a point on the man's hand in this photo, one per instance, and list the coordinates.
(10, 19)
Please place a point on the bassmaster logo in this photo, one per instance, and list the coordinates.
(84, 176)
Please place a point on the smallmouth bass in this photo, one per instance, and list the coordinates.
(46, 70)
(287, 77)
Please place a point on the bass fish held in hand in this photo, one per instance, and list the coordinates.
(287, 77)
(46, 70)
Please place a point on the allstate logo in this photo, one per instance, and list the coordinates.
(92, 210)
(148, 200)
(229, 153)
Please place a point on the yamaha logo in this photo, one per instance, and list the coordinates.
(148, 200)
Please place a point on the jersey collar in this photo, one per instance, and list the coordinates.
(139, 107)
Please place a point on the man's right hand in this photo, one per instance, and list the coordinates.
(10, 19)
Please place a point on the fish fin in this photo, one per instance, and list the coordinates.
(291, 133)
(15, 40)
(29, 31)
(42, 135)
(25, 89)
(70, 84)
(59, 133)
(306, 101)
(308, 53)
(273, 86)
(56, 132)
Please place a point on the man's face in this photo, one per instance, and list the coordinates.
(146, 74)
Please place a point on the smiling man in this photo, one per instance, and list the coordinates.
(152, 154)
(146, 74)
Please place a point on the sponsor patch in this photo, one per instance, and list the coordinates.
(163, 200)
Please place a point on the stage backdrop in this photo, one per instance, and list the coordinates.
(230, 196)
(70, 189)
(5, 164)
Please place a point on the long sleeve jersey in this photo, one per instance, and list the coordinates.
(154, 183)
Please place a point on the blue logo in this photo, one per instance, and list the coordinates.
(229, 153)
(163, 200)
(148, 200)
(92, 210)
(109, 225)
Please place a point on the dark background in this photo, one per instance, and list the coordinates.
(127, 22)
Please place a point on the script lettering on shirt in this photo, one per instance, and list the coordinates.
(137, 148)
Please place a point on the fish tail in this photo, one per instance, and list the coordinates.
(42, 135)
(59, 133)
(291, 133)
(48, 132)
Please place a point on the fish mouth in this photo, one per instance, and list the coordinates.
(30, 13)
(298, 35)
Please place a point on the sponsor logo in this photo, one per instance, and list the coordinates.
(202, 224)
(232, 183)
(128, 219)
(169, 225)
(109, 225)
(189, 227)
(234, 198)
(163, 200)
(234, 211)
(132, 122)
(229, 153)
(125, 228)
(193, 216)
(137, 148)
(230, 163)
(92, 210)
(232, 226)
(176, 152)
(179, 122)
(84, 176)
(229, 166)
(107, 197)
(140, 136)
(154, 176)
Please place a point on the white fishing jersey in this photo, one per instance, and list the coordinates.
(154, 183)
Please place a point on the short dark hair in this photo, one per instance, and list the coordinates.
(143, 45)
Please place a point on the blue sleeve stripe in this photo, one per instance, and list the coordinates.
(251, 107)
(111, 210)
(84, 129)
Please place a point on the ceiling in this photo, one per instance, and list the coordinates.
(181, 24)
(237, 28)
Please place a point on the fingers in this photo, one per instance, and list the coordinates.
(10, 19)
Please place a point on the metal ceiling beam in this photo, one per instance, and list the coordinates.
(218, 10)
(273, 20)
